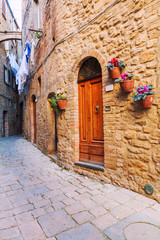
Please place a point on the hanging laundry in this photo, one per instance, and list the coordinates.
(21, 75)
(33, 51)
(14, 64)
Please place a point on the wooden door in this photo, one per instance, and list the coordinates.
(91, 121)
(34, 122)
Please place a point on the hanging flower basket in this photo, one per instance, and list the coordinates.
(115, 73)
(148, 101)
(144, 95)
(115, 66)
(62, 104)
(127, 85)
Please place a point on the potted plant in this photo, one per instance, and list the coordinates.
(61, 101)
(126, 83)
(115, 66)
(145, 95)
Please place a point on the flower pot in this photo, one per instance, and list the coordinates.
(147, 102)
(115, 73)
(62, 104)
(127, 85)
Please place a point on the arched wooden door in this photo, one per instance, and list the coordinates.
(91, 145)
(33, 118)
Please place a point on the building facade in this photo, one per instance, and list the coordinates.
(102, 133)
(9, 111)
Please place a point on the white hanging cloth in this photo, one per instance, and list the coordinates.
(21, 75)
(14, 64)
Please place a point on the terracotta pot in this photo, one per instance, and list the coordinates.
(62, 104)
(127, 85)
(147, 102)
(115, 73)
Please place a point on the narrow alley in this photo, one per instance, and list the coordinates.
(40, 200)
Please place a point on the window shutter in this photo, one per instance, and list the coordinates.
(4, 8)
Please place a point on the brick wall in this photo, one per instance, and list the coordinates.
(128, 30)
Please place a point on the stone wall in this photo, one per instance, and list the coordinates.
(8, 94)
(127, 30)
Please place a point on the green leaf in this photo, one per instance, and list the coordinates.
(117, 80)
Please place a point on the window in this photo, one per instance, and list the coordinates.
(7, 76)
(39, 81)
(4, 9)
(37, 21)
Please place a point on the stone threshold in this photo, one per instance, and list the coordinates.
(90, 165)
(54, 157)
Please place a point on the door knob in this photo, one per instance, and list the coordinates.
(97, 109)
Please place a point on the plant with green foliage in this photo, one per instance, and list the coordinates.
(124, 77)
(60, 97)
(53, 103)
(115, 63)
(37, 35)
(143, 92)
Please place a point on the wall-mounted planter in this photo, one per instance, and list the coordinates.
(115, 73)
(147, 102)
(127, 85)
(62, 104)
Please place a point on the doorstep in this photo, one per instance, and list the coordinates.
(90, 165)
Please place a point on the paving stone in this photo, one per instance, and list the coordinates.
(43, 181)
(88, 203)
(10, 233)
(145, 199)
(116, 231)
(39, 190)
(120, 197)
(48, 209)
(38, 212)
(121, 212)
(144, 231)
(69, 201)
(98, 211)
(104, 221)
(151, 213)
(109, 204)
(4, 214)
(24, 217)
(56, 222)
(75, 208)
(84, 232)
(23, 209)
(82, 217)
(20, 203)
(156, 207)
(57, 204)
(35, 199)
(52, 194)
(99, 199)
(52, 238)
(7, 223)
(136, 205)
(41, 203)
(32, 231)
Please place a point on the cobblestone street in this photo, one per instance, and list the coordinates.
(40, 200)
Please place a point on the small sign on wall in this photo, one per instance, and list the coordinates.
(109, 88)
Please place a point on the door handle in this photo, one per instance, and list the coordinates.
(97, 109)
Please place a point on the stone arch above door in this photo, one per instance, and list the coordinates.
(84, 56)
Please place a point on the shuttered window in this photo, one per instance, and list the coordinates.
(4, 8)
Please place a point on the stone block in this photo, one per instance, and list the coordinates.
(85, 231)
(56, 222)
